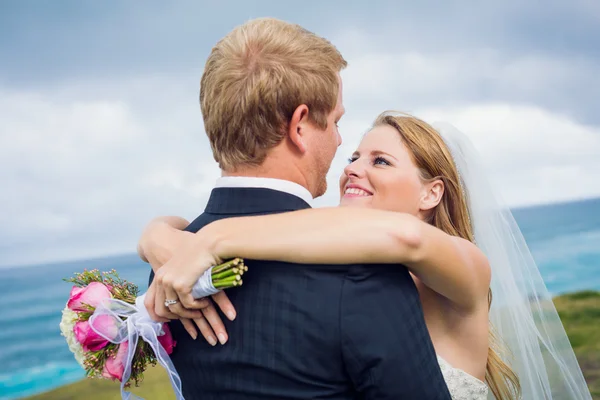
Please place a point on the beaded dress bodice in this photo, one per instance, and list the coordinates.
(461, 385)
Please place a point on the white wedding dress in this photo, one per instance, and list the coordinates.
(461, 385)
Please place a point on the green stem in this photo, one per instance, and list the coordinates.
(226, 265)
(226, 285)
(226, 273)
(229, 279)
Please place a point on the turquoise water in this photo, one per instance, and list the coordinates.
(564, 240)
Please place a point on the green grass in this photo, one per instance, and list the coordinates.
(156, 385)
(580, 314)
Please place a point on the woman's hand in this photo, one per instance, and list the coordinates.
(160, 240)
(207, 319)
(211, 326)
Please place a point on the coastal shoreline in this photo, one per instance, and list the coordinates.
(579, 311)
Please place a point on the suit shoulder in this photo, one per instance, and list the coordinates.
(201, 221)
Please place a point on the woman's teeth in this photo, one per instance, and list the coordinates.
(357, 192)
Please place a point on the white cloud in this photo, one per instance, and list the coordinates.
(533, 156)
(536, 150)
(85, 164)
(416, 79)
(82, 177)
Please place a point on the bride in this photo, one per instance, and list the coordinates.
(415, 196)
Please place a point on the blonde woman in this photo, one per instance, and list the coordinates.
(411, 197)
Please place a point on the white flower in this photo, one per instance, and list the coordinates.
(69, 318)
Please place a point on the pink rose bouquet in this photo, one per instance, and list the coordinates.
(97, 338)
(105, 318)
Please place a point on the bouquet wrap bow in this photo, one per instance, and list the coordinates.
(137, 324)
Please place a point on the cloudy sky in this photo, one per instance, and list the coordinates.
(100, 127)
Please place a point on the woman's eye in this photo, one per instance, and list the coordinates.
(381, 161)
(352, 159)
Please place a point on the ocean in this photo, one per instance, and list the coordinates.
(564, 240)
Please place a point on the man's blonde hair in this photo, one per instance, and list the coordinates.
(254, 80)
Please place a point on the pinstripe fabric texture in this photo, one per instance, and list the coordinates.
(310, 331)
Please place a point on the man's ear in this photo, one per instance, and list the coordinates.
(297, 130)
(432, 194)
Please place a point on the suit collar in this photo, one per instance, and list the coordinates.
(244, 200)
(266, 183)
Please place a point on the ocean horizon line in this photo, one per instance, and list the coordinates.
(119, 254)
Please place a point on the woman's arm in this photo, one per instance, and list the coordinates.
(449, 265)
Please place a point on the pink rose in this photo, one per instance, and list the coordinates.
(89, 339)
(106, 325)
(114, 366)
(75, 290)
(166, 340)
(92, 295)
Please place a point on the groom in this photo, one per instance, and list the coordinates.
(271, 98)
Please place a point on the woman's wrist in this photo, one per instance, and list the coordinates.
(177, 223)
(158, 242)
(213, 238)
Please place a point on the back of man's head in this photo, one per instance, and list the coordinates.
(255, 78)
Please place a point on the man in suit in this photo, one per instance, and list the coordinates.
(271, 98)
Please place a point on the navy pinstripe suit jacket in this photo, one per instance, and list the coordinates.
(310, 331)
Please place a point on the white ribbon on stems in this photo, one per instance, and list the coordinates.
(204, 287)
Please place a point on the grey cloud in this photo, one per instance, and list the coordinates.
(99, 39)
(416, 79)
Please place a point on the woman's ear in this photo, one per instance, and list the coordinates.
(297, 128)
(432, 194)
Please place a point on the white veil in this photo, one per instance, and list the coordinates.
(522, 312)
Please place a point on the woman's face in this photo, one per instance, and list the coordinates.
(382, 175)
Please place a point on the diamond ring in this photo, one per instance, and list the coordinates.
(170, 302)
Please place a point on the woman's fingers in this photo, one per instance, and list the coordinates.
(206, 330)
(189, 327)
(149, 304)
(212, 317)
(176, 307)
(161, 310)
(225, 304)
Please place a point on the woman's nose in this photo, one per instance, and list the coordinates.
(354, 169)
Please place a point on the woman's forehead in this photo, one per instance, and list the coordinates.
(382, 138)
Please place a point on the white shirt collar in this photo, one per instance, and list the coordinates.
(266, 183)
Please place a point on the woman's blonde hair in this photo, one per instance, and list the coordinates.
(432, 157)
(253, 81)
